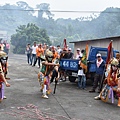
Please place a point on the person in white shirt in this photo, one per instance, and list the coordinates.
(78, 54)
(59, 49)
(33, 59)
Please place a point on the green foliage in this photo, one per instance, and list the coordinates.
(28, 34)
(106, 24)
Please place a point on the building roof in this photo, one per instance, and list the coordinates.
(107, 38)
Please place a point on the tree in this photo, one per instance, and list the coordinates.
(23, 5)
(44, 8)
(28, 34)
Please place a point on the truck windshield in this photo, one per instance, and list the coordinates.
(103, 53)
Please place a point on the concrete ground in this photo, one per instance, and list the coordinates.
(24, 101)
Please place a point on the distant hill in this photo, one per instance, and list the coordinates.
(105, 25)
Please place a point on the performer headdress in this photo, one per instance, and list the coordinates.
(49, 56)
(118, 55)
(114, 62)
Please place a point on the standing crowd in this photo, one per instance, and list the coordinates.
(47, 58)
(38, 53)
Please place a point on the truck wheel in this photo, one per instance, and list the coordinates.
(72, 79)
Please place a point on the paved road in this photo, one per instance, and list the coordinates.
(24, 100)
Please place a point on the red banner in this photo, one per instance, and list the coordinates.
(110, 53)
(64, 43)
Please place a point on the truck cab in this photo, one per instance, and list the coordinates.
(92, 56)
(71, 65)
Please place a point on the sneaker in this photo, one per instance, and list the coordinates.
(4, 97)
(38, 66)
(60, 78)
(63, 80)
(45, 96)
(97, 98)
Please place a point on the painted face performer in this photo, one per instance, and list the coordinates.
(112, 83)
(4, 64)
(118, 88)
(2, 77)
(45, 73)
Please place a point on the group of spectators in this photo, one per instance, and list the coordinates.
(36, 52)
(5, 46)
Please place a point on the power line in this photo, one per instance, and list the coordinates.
(64, 11)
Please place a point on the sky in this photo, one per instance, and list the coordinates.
(71, 5)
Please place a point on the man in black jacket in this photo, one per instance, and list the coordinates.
(70, 54)
(100, 66)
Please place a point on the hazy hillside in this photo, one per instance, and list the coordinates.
(105, 25)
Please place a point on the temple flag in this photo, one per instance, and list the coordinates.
(110, 52)
(83, 63)
(64, 43)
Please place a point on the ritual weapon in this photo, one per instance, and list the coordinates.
(55, 86)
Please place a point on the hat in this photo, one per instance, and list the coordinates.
(78, 49)
(98, 55)
(69, 49)
(117, 55)
(114, 62)
(48, 53)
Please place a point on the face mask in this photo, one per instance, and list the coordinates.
(114, 68)
(50, 58)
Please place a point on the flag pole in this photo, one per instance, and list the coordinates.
(110, 55)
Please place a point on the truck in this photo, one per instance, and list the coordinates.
(70, 66)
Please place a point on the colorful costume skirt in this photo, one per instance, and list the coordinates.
(1, 90)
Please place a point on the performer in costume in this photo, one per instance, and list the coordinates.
(4, 63)
(2, 78)
(48, 66)
(118, 92)
(112, 86)
(118, 88)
